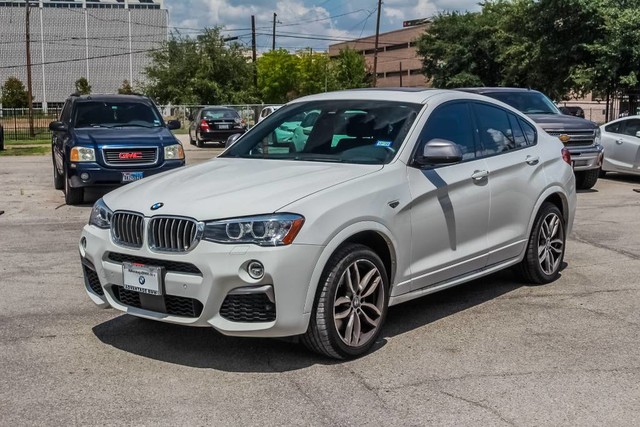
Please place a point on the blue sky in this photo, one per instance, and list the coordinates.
(320, 19)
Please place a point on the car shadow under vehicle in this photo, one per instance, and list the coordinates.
(206, 348)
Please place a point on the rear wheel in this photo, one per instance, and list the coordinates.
(545, 249)
(199, 142)
(72, 196)
(587, 179)
(351, 304)
(58, 180)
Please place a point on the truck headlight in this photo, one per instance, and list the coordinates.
(82, 154)
(262, 230)
(174, 152)
(598, 136)
(100, 215)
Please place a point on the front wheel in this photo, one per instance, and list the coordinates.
(587, 179)
(58, 180)
(72, 196)
(545, 250)
(351, 304)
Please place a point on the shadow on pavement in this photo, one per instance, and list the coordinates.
(206, 348)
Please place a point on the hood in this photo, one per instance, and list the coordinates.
(228, 187)
(124, 136)
(562, 122)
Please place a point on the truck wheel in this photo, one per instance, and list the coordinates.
(350, 305)
(587, 179)
(72, 196)
(545, 249)
(58, 180)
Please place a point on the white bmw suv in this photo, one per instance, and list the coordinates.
(394, 194)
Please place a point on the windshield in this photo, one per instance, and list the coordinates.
(346, 131)
(111, 114)
(528, 102)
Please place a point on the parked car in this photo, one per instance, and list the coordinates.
(580, 136)
(109, 140)
(621, 141)
(425, 190)
(266, 111)
(572, 111)
(215, 124)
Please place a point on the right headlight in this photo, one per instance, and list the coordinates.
(262, 230)
(100, 215)
(82, 154)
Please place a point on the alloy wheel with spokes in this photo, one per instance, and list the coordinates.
(351, 303)
(359, 302)
(550, 243)
(545, 250)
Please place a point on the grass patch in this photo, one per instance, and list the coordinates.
(36, 141)
(25, 151)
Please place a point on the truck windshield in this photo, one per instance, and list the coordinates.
(528, 102)
(116, 114)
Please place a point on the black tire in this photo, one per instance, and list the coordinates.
(531, 268)
(602, 173)
(72, 196)
(58, 180)
(587, 179)
(199, 142)
(323, 334)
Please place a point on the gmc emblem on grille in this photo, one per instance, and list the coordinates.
(127, 156)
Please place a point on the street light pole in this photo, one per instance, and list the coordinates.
(375, 49)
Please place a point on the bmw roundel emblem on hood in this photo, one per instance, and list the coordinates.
(157, 206)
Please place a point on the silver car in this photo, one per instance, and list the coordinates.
(621, 141)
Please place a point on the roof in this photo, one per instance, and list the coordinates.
(402, 94)
(495, 89)
(110, 97)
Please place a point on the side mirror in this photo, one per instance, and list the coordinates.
(58, 127)
(232, 139)
(440, 152)
(638, 134)
(174, 124)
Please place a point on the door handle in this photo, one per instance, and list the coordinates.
(478, 175)
(531, 160)
(619, 141)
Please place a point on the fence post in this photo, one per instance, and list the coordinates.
(1, 137)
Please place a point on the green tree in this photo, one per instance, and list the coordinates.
(278, 76)
(126, 88)
(202, 70)
(82, 86)
(315, 73)
(14, 95)
(350, 70)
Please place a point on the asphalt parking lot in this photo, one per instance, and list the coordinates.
(491, 352)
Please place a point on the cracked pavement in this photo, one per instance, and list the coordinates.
(491, 352)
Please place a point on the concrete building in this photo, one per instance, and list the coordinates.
(398, 63)
(106, 41)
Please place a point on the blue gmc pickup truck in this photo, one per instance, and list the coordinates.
(109, 140)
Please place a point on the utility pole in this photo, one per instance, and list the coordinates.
(253, 50)
(375, 48)
(400, 73)
(273, 43)
(29, 86)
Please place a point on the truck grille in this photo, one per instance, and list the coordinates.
(130, 156)
(171, 234)
(578, 137)
(127, 229)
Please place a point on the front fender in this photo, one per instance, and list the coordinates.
(336, 241)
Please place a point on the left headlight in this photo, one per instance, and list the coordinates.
(598, 135)
(174, 152)
(82, 154)
(262, 230)
(100, 215)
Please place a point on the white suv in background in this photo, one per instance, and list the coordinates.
(395, 194)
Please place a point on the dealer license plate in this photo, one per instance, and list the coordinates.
(223, 126)
(142, 278)
(132, 176)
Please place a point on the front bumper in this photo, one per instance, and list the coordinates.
(586, 158)
(103, 176)
(222, 271)
(219, 135)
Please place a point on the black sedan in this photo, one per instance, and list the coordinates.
(215, 124)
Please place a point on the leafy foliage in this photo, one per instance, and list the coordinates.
(14, 94)
(82, 86)
(278, 76)
(126, 88)
(350, 70)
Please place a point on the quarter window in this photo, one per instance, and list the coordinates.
(500, 131)
(529, 131)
